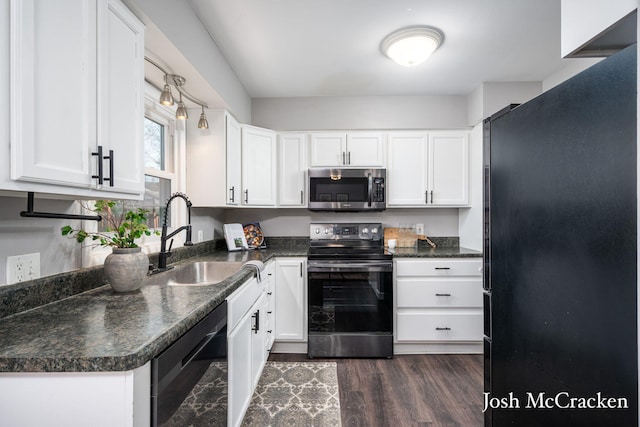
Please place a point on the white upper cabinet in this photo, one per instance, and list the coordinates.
(343, 149)
(258, 166)
(121, 95)
(407, 174)
(292, 169)
(234, 161)
(327, 149)
(365, 149)
(77, 76)
(428, 169)
(448, 168)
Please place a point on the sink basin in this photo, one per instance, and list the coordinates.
(204, 273)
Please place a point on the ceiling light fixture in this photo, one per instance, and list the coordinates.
(166, 97)
(412, 45)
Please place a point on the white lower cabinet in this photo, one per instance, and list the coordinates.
(439, 305)
(291, 299)
(246, 338)
(76, 399)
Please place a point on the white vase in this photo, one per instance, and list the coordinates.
(126, 268)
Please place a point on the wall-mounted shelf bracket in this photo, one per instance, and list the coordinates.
(30, 213)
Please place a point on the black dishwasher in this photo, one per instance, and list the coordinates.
(189, 379)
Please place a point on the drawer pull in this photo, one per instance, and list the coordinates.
(443, 268)
(269, 293)
(443, 295)
(443, 329)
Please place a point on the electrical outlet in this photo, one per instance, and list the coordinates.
(200, 236)
(420, 229)
(21, 268)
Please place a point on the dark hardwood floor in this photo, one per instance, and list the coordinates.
(408, 390)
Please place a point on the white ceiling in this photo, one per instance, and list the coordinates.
(294, 48)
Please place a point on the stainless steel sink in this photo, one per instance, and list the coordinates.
(203, 273)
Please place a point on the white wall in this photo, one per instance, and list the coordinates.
(21, 236)
(491, 97)
(295, 222)
(470, 220)
(361, 112)
(573, 66)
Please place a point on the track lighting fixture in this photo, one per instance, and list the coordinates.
(166, 97)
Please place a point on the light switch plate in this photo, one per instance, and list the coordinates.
(420, 229)
(21, 268)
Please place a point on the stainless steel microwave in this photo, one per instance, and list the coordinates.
(347, 189)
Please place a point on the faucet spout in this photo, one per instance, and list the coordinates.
(164, 252)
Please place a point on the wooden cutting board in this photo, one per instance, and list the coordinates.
(390, 233)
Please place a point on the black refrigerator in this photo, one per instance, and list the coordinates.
(560, 285)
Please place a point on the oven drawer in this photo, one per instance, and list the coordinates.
(417, 326)
(426, 293)
(441, 267)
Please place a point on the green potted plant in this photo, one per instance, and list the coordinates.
(126, 266)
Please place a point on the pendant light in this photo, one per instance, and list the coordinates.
(166, 97)
(181, 112)
(412, 45)
(203, 123)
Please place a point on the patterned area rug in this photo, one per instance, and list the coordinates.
(296, 394)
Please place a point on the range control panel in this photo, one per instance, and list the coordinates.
(345, 231)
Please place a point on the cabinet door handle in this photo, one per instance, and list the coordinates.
(269, 293)
(232, 194)
(431, 196)
(100, 176)
(302, 197)
(344, 162)
(256, 317)
(443, 295)
(246, 196)
(110, 158)
(443, 329)
(426, 197)
(348, 157)
(443, 268)
(300, 269)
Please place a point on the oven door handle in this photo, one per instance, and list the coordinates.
(313, 267)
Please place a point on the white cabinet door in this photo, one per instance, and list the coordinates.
(448, 168)
(53, 91)
(258, 166)
(258, 337)
(340, 149)
(291, 299)
(239, 370)
(328, 149)
(75, 87)
(234, 162)
(428, 169)
(292, 169)
(121, 96)
(407, 172)
(365, 149)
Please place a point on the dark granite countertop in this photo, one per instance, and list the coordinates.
(101, 330)
(97, 329)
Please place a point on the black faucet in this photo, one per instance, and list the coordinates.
(164, 252)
